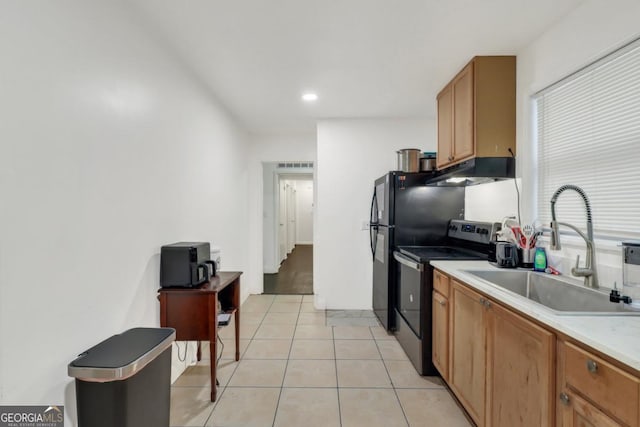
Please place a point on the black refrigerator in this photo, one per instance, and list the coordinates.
(405, 211)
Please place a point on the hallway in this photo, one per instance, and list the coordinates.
(295, 275)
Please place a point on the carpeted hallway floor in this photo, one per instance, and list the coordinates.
(295, 275)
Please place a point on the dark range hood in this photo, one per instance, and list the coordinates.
(479, 170)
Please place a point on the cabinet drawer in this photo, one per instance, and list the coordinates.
(608, 387)
(441, 283)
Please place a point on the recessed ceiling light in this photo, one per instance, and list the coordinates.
(309, 97)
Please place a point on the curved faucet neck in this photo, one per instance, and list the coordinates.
(589, 272)
(587, 205)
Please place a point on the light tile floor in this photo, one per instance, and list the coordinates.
(303, 367)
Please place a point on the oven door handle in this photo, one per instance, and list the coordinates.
(408, 262)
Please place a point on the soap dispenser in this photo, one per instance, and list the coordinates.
(540, 259)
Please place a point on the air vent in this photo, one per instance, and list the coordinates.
(295, 165)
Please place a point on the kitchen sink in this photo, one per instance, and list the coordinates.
(560, 295)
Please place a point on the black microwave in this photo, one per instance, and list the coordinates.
(185, 264)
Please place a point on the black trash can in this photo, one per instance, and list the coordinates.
(125, 381)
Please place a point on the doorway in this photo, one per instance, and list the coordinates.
(288, 228)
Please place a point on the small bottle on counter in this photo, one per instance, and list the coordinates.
(540, 260)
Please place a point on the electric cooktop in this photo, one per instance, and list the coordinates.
(425, 254)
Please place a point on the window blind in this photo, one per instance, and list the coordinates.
(588, 134)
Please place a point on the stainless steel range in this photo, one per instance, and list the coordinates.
(467, 240)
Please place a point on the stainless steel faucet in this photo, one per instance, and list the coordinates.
(589, 271)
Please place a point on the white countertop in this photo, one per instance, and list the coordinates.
(615, 336)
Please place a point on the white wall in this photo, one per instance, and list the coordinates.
(491, 202)
(304, 211)
(270, 196)
(263, 150)
(589, 32)
(592, 30)
(351, 155)
(108, 149)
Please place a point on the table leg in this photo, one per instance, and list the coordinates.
(199, 352)
(236, 303)
(237, 334)
(214, 387)
(213, 342)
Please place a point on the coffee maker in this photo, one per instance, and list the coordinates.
(185, 264)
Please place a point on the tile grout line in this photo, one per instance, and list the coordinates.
(286, 366)
(393, 386)
(333, 387)
(335, 360)
(218, 398)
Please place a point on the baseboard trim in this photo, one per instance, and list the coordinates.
(270, 270)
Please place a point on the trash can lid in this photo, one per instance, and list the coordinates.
(121, 356)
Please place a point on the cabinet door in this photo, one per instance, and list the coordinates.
(463, 115)
(441, 334)
(612, 389)
(577, 412)
(444, 155)
(584, 380)
(520, 371)
(467, 350)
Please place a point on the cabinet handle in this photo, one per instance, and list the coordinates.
(592, 366)
(482, 301)
(487, 303)
(564, 398)
(442, 303)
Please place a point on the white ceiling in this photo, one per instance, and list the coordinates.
(364, 58)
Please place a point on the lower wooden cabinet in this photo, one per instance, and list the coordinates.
(507, 370)
(577, 412)
(440, 334)
(520, 370)
(594, 392)
(502, 365)
(467, 350)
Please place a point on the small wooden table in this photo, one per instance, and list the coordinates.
(193, 313)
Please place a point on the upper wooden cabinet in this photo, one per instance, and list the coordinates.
(445, 127)
(477, 111)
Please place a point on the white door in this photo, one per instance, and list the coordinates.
(304, 212)
(291, 216)
(282, 215)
